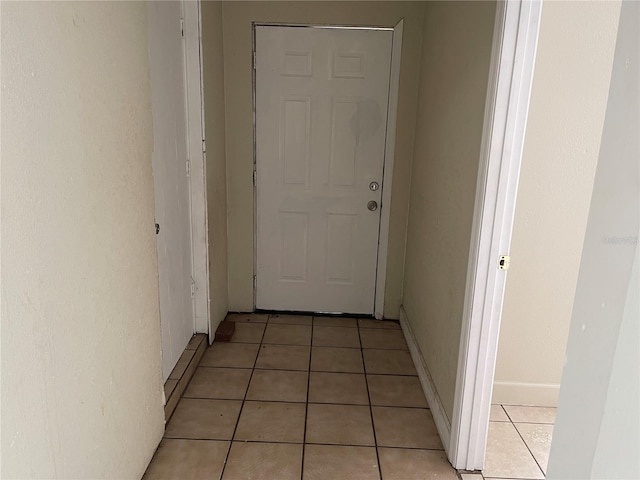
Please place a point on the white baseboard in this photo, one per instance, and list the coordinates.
(520, 393)
(440, 418)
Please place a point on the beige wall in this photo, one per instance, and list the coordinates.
(456, 52)
(213, 76)
(568, 102)
(239, 127)
(81, 372)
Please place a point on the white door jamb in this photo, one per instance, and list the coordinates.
(196, 166)
(508, 93)
(387, 175)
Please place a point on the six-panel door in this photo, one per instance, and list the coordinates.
(321, 119)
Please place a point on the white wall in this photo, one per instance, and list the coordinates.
(213, 77)
(568, 101)
(239, 127)
(81, 372)
(597, 431)
(456, 52)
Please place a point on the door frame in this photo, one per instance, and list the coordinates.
(510, 79)
(196, 151)
(387, 175)
(388, 162)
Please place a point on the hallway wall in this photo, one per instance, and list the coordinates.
(81, 393)
(237, 18)
(597, 431)
(213, 79)
(456, 51)
(568, 102)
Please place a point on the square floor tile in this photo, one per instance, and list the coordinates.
(382, 338)
(328, 359)
(396, 391)
(405, 427)
(333, 462)
(538, 438)
(287, 334)
(263, 461)
(278, 386)
(403, 464)
(271, 422)
(291, 319)
(283, 357)
(334, 322)
(246, 332)
(507, 455)
(335, 337)
(339, 424)
(392, 362)
(222, 354)
(177, 458)
(221, 383)
(525, 414)
(247, 317)
(498, 414)
(370, 323)
(181, 366)
(344, 388)
(204, 419)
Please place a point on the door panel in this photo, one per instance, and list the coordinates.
(321, 110)
(166, 54)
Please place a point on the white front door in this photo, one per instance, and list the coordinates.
(171, 184)
(321, 119)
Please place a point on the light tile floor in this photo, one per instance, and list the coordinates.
(296, 397)
(519, 442)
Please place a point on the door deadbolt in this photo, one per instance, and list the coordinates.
(373, 186)
(372, 205)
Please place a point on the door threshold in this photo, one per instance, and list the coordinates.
(315, 314)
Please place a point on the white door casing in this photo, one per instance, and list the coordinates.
(197, 166)
(321, 123)
(171, 183)
(507, 104)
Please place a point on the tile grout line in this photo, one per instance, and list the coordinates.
(359, 445)
(193, 397)
(544, 475)
(244, 399)
(324, 371)
(306, 406)
(373, 427)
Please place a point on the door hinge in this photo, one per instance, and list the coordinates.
(503, 262)
(254, 60)
(255, 282)
(204, 146)
(182, 27)
(193, 288)
(188, 168)
(255, 178)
